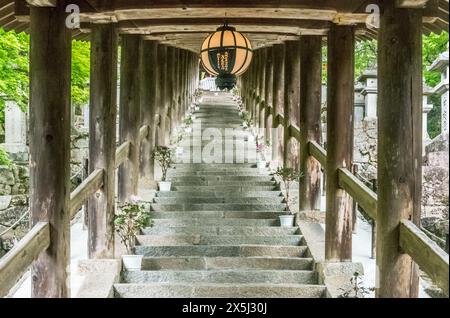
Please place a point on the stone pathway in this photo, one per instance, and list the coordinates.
(217, 233)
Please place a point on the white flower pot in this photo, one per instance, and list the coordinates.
(132, 262)
(262, 164)
(287, 220)
(179, 151)
(188, 130)
(164, 186)
(197, 108)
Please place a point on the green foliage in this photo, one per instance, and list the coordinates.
(188, 121)
(164, 156)
(288, 175)
(365, 56)
(129, 221)
(247, 118)
(14, 70)
(80, 73)
(4, 159)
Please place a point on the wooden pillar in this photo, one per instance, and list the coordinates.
(160, 92)
(180, 88)
(310, 124)
(399, 145)
(268, 97)
(129, 115)
(50, 55)
(257, 87)
(291, 93)
(148, 79)
(169, 93)
(278, 97)
(102, 138)
(338, 235)
(262, 89)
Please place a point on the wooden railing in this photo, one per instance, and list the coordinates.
(433, 260)
(37, 240)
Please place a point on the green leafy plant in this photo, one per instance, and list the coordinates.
(247, 118)
(188, 121)
(357, 290)
(130, 219)
(288, 175)
(164, 156)
(4, 159)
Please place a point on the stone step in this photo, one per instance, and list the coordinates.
(217, 214)
(224, 183)
(219, 194)
(157, 207)
(212, 178)
(220, 277)
(225, 188)
(188, 221)
(222, 250)
(186, 172)
(177, 290)
(223, 263)
(235, 200)
(221, 230)
(197, 239)
(213, 166)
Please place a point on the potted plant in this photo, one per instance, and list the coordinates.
(246, 119)
(188, 122)
(260, 147)
(129, 221)
(164, 156)
(288, 175)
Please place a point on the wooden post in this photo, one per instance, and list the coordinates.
(268, 95)
(160, 93)
(168, 94)
(129, 115)
(310, 105)
(278, 96)
(262, 89)
(338, 234)
(399, 145)
(256, 99)
(291, 93)
(148, 105)
(102, 138)
(50, 55)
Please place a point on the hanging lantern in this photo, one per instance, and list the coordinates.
(226, 54)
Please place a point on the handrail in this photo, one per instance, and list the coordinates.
(17, 260)
(425, 252)
(361, 193)
(294, 132)
(122, 153)
(87, 188)
(143, 132)
(318, 152)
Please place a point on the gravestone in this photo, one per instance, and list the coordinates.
(15, 132)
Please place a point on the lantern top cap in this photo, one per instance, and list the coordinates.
(226, 27)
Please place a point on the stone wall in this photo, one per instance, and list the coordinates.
(365, 148)
(14, 179)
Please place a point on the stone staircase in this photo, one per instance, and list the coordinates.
(217, 233)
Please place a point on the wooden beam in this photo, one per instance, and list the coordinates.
(148, 106)
(365, 197)
(426, 253)
(291, 96)
(50, 52)
(338, 233)
(129, 115)
(16, 262)
(399, 145)
(102, 139)
(310, 121)
(411, 3)
(42, 3)
(85, 190)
